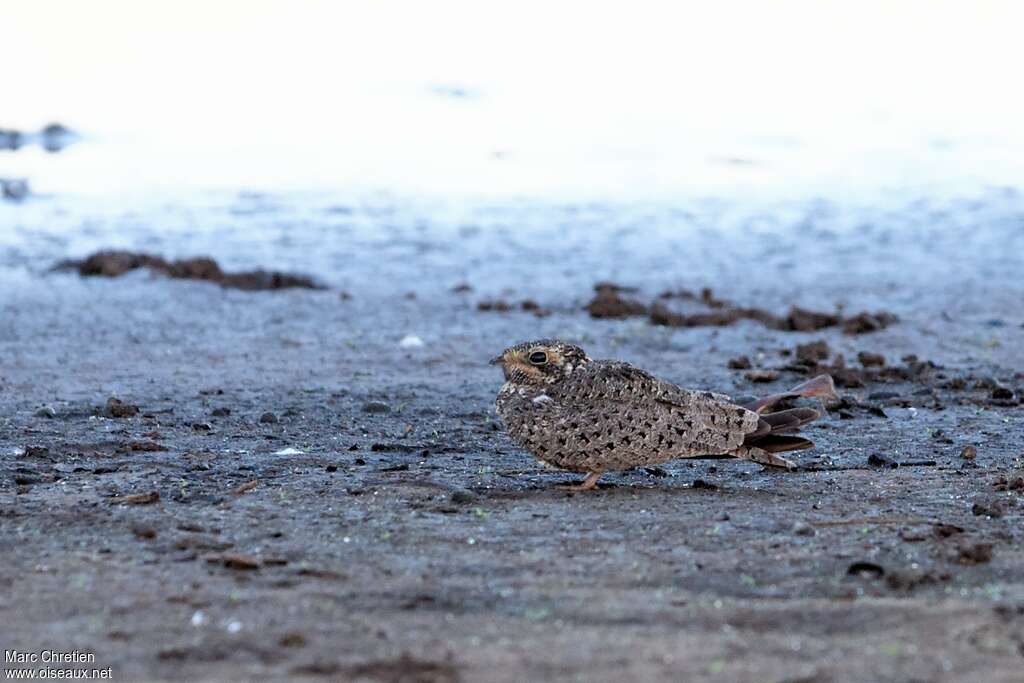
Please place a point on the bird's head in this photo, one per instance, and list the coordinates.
(540, 362)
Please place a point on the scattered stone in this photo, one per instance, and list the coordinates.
(463, 497)
(498, 305)
(220, 412)
(47, 412)
(863, 323)
(812, 352)
(608, 302)
(239, 561)
(462, 288)
(871, 360)
(145, 446)
(993, 508)
(535, 308)
(144, 532)
(740, 363)
(707, 486)
(268, 418)
(293, 639)
(865, 570)
(202, 426)
(331, 468)
(975, 553)
(118, 409)
(245, 487)
(137, 499)
(761, 376)
(803, 529)
(877, 460)
(410, 341)
(117, 263)
(969, 453)
(908, 580)
(14, 189)
(1004, 484)
(942, 530)
(376, 407)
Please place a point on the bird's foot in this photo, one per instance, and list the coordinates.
(587, 484)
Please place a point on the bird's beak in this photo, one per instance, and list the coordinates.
(497, 360)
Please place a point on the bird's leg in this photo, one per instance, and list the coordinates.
(586, 485)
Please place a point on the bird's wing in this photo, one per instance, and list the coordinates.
(660, 413)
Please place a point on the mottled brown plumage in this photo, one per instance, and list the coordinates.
(594, 416)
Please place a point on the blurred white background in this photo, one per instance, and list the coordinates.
(565, 99)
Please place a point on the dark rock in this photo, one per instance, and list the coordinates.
(868, 322)
(376, 407)
(989, 507)
(865, 570)
(740, 363)
(118, 409)
(498, 305)
(117, 263)
(804, 529)
(946, 530)
(760, 376)
(870, 360)
(876, 460)
(975, 553)
(608, 302)
(220, 412)
(463, 497)
(812, 352)
(268, 418)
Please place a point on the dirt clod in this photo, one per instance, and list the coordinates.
(975, 553)
(117, 263)
(608, 302)
(740, 363)
(118, 409)
(145, 446)
(137, 499)
(988, 507)
(761, 376)
(239, 561)
(870, 360)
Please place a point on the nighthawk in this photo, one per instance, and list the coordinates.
(596, 416)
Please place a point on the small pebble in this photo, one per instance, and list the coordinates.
(463, 496)
(376, 407)
(268, 418)
(47, 412)
(803, 529)
(740, 363)
(411, 341)
(969, 453)
(221, 412)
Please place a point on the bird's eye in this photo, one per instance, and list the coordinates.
(538, 358)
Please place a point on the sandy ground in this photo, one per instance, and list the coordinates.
(379, 525)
